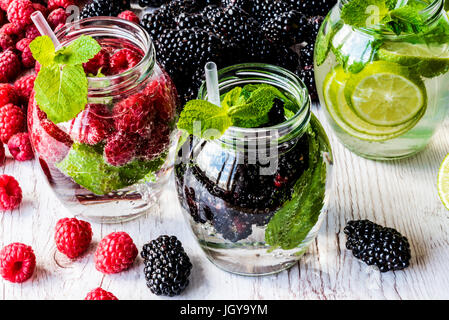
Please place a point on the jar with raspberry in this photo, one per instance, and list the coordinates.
(111, 161)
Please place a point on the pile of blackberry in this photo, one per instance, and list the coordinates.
(248, 198)
(96, 8)
(229, 32)
(167, 266)
(375, 245)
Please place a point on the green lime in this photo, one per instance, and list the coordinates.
(428, 60)
(352, 119)
(385, 94)
(443, 182)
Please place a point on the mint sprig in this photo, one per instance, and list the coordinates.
(61, 85)
(246, 107)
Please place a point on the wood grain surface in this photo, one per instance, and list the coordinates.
(400, 194)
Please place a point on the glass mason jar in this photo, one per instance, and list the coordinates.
(111, 161)
(255, 198)
(384, 94)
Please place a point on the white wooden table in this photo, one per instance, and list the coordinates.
(398, 194)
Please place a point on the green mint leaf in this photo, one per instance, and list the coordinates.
(364, 13)
(79, 51)
(405, 19)
(231, 98)
(61, 92)
(43, 50)
(200, 116)
(257, 106)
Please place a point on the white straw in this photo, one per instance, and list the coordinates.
(213, 92)
(43, 27)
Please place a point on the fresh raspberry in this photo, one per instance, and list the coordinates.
(100, 294)
(159, 140)
(20, 147)
(24, 87)
(123, 60)
(19, 12)
(100, 61)
(134, 114)
(50, 142)
(4, 4)
(11, 29)
(10, 193)
(121, 149)
(41, 8)
(92, 125)
(12, 121)
(31, 32)
(73, 237)
(23, 46)
(9, 65)
(57, 17)
(130, 16)
(6, 41)
(8, 94)
(17, 262)
(55, 4)
(115, 253)
(2, 154)
(163, 95)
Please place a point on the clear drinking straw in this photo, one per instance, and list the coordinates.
(213, 93)
(43, 27)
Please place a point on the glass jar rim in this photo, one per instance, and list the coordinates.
(125, 28)
(433, 12)
(292, 127)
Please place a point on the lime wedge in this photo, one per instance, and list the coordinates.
(443, 182)
(348, 120)
(385, 94)
(428, 60)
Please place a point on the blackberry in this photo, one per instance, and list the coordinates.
(306, 55)
(313, 7)
(182, 52)
(307, 75)
(375, 245)
(189, 21)
(315, 24)
(97, 8)
(283, 29)
(263, 10)
(167, 266)
(152, 3)
(276, 115)
(245, 5)
(156, 22)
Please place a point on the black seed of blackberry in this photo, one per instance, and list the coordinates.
(375, 245)
(167, 266)
(313, 7)
(283, 29)
(96, 8)
(152, 3)
(307, 75)
(276, 115)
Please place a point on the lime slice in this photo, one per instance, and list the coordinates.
(347, 119)
(443, 182)
(385, 94)
(428, 60)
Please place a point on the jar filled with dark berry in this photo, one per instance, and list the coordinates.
(110, 162)
(255, 198)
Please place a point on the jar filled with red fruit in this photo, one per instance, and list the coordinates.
(111, 161)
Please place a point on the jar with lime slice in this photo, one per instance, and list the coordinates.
(382, 74)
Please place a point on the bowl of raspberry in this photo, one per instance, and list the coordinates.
(109, 162)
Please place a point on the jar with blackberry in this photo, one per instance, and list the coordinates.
(255, 196)
(109, 161)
